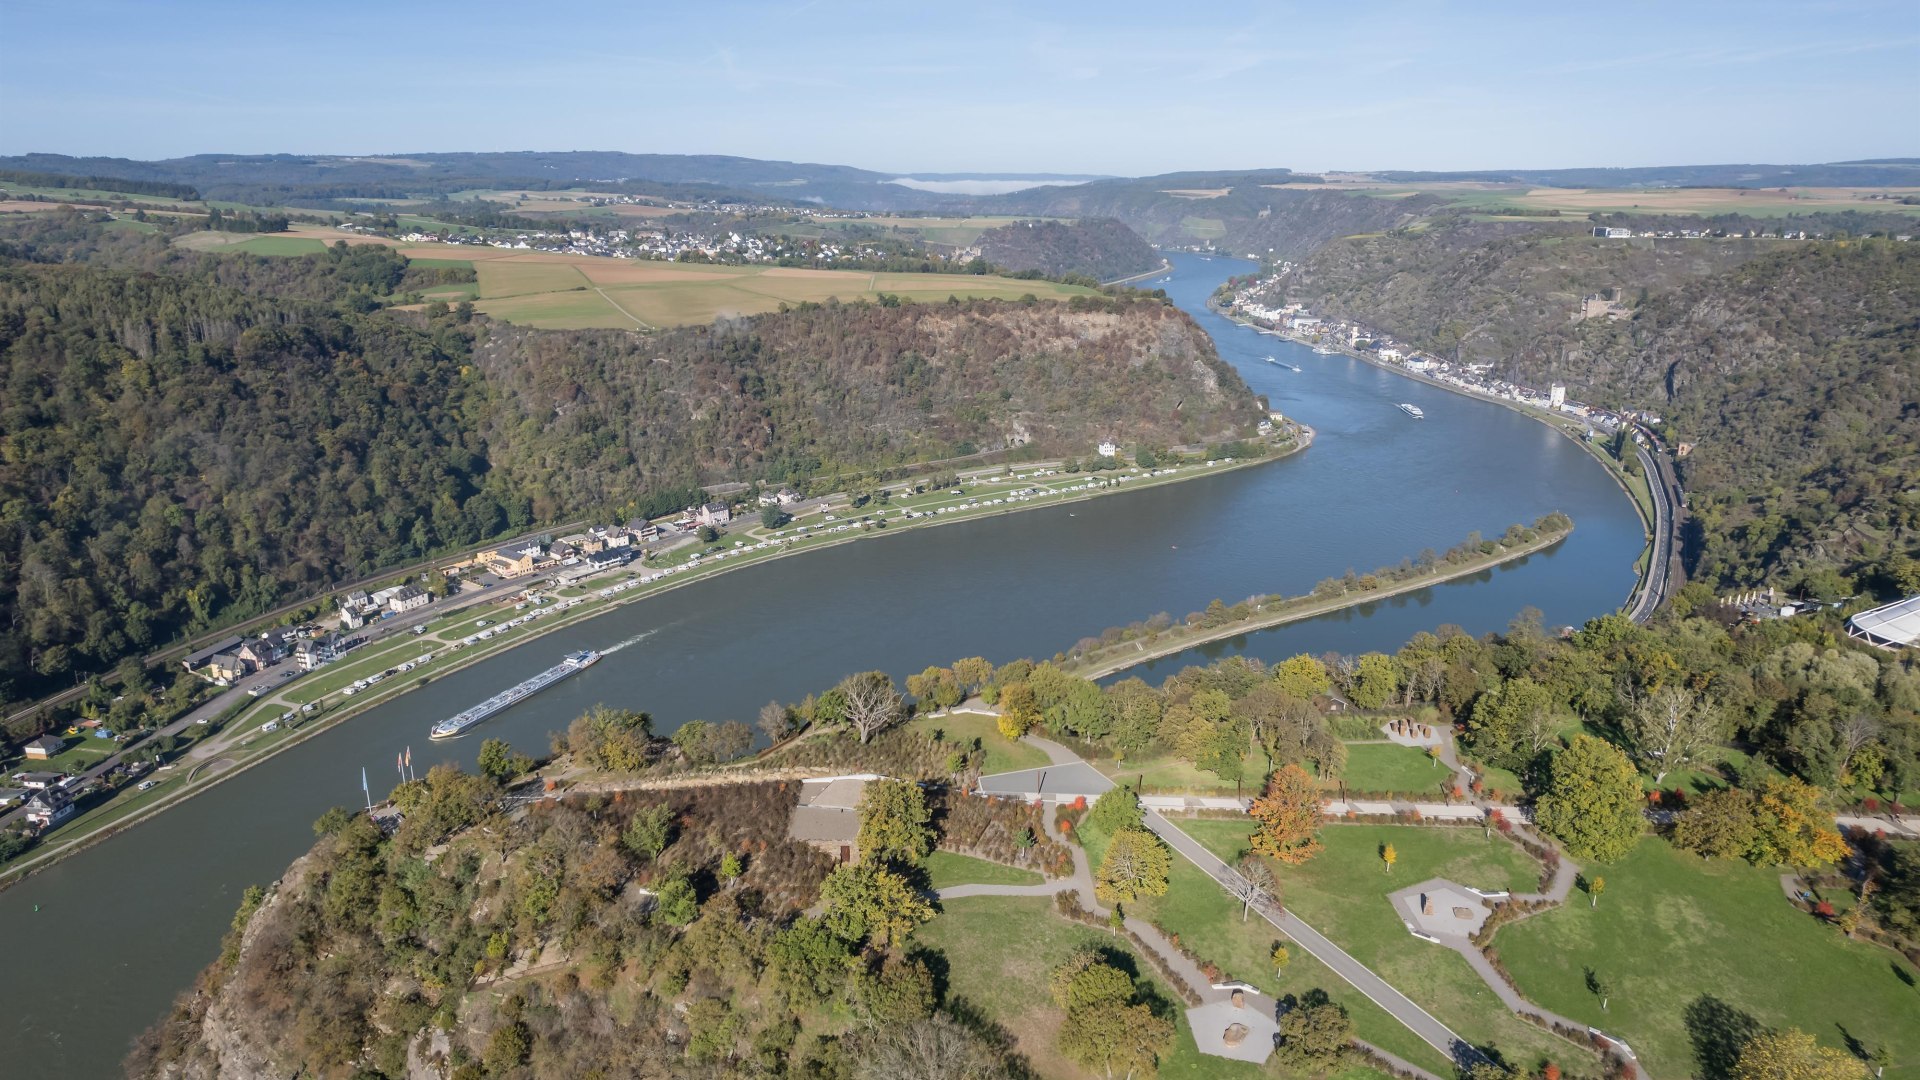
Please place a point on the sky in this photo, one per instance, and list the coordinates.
(1115, 88)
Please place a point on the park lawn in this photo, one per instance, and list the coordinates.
(1342, 893)
(1000, 950)
(1002, 753)
(1389, 766)
(1166, 774)
(946, 869)
(1672, 930)
(1208, 921)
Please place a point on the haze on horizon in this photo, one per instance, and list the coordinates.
(1120, 88)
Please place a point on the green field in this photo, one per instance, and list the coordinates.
(999, 951)
(591, 292)
(1342, 893)
(280, 245)
(1210, 923)
(1390, 767)
(1671, 930)
(1002, 754)
(946, 869)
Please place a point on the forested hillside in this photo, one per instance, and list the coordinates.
(181, 447)
(1797, 379)
(1100, 248)
(1791, 367)
(1501, 293)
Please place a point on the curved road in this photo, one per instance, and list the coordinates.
(1663, 575)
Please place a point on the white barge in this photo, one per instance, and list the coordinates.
(459, 722)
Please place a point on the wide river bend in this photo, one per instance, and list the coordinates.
(96, 947)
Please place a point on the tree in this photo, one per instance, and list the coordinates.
(676, 902)
(1105, 1029)
(872, 704)
(1670, 727)
(972, 672)
(1594, 888)
(331, 822)
(1288, 816)
(934, 1048)
(708, 534)
(499, 763)
(615, 740)
(894, 822)
(1718, 825)
(1794, 1055)
(1789, 827)
(1388, 856)
(1302, 677)
(1315, 1034)
(773, 517)
(1512, 723)
(1251, 882)
(809, 960)
(650, 831)
(1117, 808)
(1136, 864)
(1019, 709)
(1134, 711)
(868, 902)
(1592, 801)
(1281, 956)
(899, 990)
(776, 720)
(507, 1048)
(1376, 678)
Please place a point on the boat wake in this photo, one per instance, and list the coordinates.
(634, 640)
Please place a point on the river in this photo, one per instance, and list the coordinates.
(97, 946)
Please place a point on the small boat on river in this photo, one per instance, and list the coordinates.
(1413, 410)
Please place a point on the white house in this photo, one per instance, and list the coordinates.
(1557, 395)
(1108, 448)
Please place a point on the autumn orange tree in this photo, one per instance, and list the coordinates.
(1289, 816)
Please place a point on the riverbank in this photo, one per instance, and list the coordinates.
(1637, 494)
(1177, 640)
(131, 808)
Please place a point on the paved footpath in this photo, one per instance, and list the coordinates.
(1398, 1005)
(1081, 884)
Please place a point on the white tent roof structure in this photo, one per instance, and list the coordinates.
(1894, 624)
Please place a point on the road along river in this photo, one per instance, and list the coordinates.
(98, 945)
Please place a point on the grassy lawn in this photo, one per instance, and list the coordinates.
(1003, 754)
(1671, 929)
(1166, 774)
(1390, 767)
(946, 869)
(1209, 922)
(999, 951)
(1342, 893)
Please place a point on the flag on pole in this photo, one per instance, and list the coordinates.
(363, 787)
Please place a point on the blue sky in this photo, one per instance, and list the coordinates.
(1120, 88)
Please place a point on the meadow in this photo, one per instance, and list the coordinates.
(1695, 951)
(1492, 198)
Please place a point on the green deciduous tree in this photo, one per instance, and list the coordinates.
(1592, 802)
(1136, 864)
(895, 824)
(868, 902)
(1793, 1054)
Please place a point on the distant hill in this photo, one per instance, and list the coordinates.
(1883, 172)
(1100, 248)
